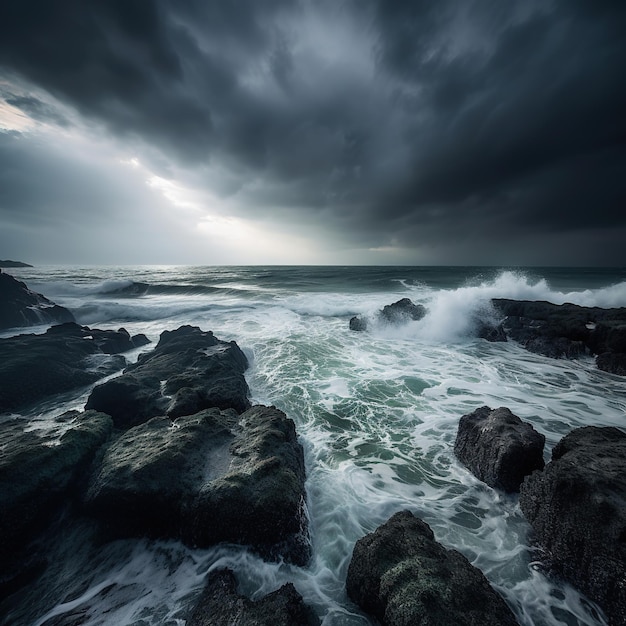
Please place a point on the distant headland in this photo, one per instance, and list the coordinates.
(14, 264)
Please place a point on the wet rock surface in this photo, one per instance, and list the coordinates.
(207, 478)
(66, 357)
(39, 472)
(220, 604)
(498, 447)
(567, 330)
(399, 312)
(403, 577)
(577, 508)
(19, 306)
(189, 370)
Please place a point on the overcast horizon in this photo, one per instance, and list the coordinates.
(363, 132)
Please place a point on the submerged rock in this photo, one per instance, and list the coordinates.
(39, 472)
(577, 508)
(19, 306)
(189, 370)
(498, 447)
(207, 478)
(403, 577)
(220, 604)
(567, 330)
(66, 357)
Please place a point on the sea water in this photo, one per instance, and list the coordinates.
(376, 412)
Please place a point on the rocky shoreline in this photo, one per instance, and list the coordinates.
(172, 448)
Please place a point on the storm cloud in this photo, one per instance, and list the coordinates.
(447, 132)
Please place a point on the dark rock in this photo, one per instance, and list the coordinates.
(358, 323)
(498, 447)
(399, 312)
(40, 471)
(577, 508)
(19, 306)
(209, 477)
(189, 370)
(66, 357)
(402, 311)
(613, 362)
(493, 333)
(403, 577)
(220, 604)
(565, 330)
(7, 263)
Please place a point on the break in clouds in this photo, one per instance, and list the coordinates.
(348, 132)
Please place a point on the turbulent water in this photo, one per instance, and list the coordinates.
(376, 412)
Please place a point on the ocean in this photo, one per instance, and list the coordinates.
(376, 412)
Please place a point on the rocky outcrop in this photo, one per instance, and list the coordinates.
(567, 330)
(220, 604)
(399, 312)
(39, 472)
(577, 508)
(66, 357)
(207, 478)
(402, 576)
(19, 306)
(189, 370)
(8, 263)
(498, 447)
(402, 311)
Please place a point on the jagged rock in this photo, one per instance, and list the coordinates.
(66, 357)
(577, 508)
(206, 478)
(39, 471)
(498, 447)
(399, 312)
(403, 577)
(189, 370)
(402, 311)
(220, 604)
(19, 306)
(565, 330)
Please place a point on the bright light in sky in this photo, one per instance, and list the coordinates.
(11, 118)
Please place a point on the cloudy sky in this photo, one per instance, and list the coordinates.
(313, 131)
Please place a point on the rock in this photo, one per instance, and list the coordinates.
(189, 370)
(403, 577)
(66, 357)
(399, 312)
(206, 478)
(565, 330)
(220, 604)
(19, 306)
(612, 362)
(498, 447)
(7, 263)
(577, 508)
(402, 311)
(40, 471)
(358, 323)
(493, 333)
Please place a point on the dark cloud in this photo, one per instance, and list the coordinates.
(397, 122)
